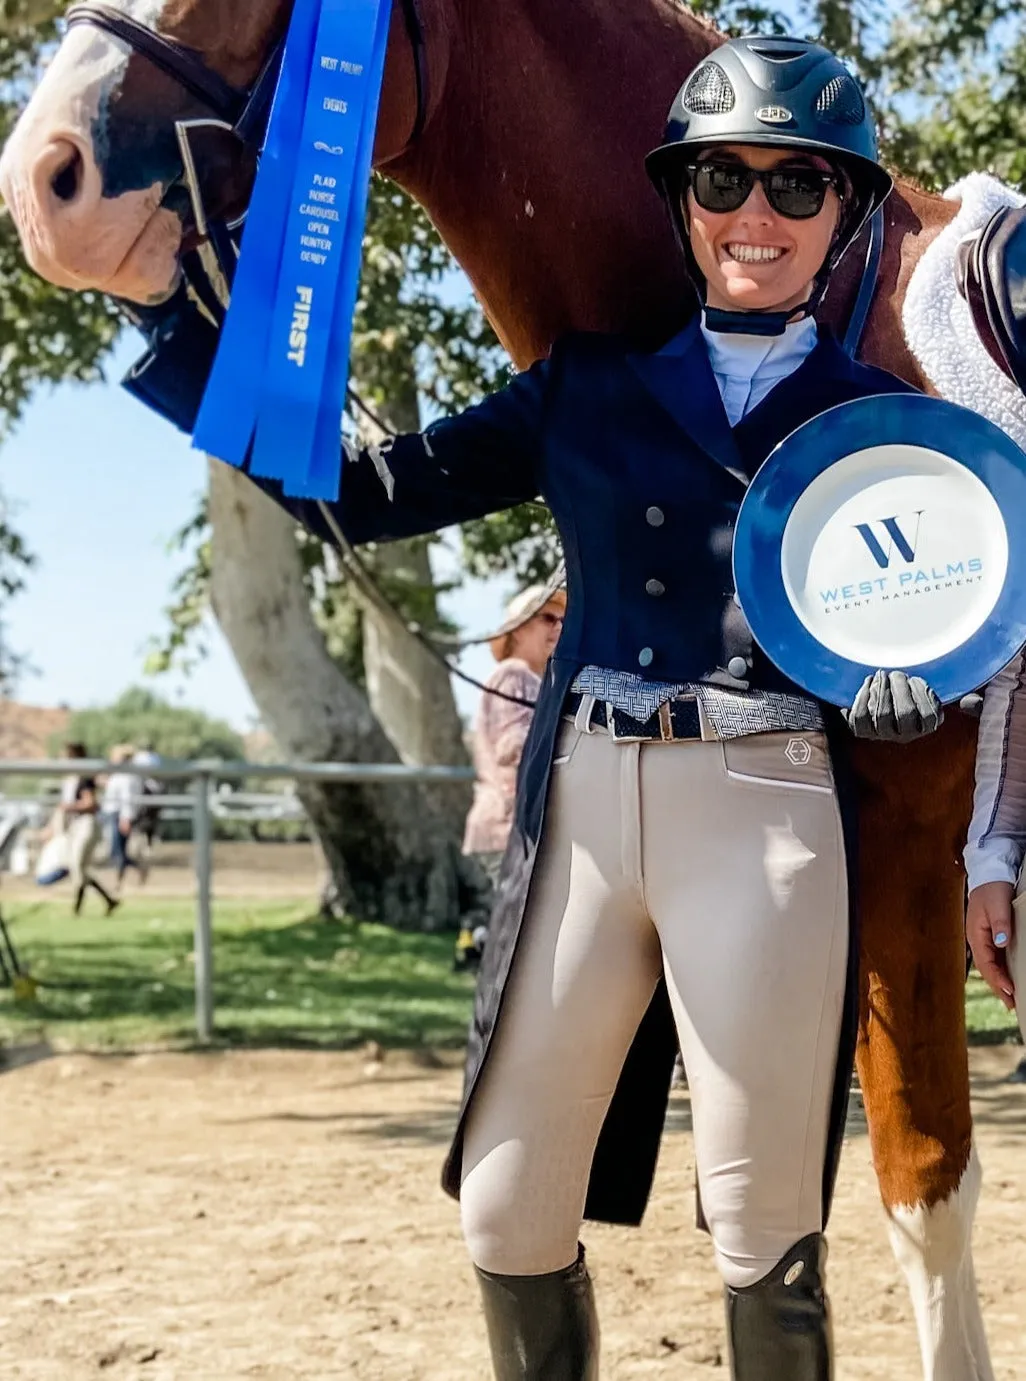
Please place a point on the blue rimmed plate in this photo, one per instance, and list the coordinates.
(887, 532)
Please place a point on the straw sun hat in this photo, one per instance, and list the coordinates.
(519, 611)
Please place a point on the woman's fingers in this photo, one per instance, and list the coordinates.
(992, 969)
(988, 928)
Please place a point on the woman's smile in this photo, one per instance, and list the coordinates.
(743, 253)
(754, 258)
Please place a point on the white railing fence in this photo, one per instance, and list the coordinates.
(201, 799)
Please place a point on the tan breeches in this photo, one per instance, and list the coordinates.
(722, 866)
(84, 834)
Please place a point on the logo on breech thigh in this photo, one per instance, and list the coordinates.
(798, 752)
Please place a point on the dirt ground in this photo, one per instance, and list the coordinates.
(277, 1215)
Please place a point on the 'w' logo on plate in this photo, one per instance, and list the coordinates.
(895, 539)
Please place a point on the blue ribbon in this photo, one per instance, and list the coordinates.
(279, 379)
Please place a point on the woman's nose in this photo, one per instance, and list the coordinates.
(756, 204)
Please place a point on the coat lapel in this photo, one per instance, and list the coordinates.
(824, 375)
(680, 378)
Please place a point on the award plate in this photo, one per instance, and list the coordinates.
(887, 532)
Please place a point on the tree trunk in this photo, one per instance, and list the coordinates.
(409, 689)
(391, 849)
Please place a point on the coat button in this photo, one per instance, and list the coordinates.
(738, 668)
(655, 588)
(655, 517)
(645, 657)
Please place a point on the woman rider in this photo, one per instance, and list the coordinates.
(678, 863)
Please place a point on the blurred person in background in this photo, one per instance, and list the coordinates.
(147, 818)
(79, 817)
(122, 799)
(521, 648)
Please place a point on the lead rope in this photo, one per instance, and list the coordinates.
(370, 591)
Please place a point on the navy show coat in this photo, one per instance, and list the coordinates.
(644, 475)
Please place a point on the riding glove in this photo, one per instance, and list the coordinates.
(893, 706)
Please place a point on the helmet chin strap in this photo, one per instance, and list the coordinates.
(758, 323)
(728, 323)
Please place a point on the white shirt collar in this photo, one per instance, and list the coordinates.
(771, 357)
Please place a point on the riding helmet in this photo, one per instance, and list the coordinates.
(783, 93)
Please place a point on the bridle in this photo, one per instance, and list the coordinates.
(185, 65)
(182, 332)
(241, 113)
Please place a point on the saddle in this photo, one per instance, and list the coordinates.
(990, 271)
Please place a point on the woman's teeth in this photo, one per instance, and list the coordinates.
(754, 254)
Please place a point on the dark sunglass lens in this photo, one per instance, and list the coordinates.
(796, 193)
(722, 186)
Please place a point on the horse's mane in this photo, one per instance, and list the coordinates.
(909, 183)
(683, 7)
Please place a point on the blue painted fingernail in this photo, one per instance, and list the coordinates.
(1001, 938)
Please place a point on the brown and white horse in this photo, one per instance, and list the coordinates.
(521, 128)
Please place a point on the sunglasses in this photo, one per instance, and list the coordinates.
(797, 193)
(553, 620)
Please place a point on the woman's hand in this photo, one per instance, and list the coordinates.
(894, 707)
(988, 928)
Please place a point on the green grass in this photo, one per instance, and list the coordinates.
(281, 977)
(988, 1022)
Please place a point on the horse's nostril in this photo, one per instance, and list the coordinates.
(66, 181)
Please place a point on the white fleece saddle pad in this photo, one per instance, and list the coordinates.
(936, 320)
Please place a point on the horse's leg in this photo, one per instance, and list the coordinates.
(932, 1246)
(912, 1057)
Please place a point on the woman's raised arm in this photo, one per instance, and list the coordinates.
(482, 460)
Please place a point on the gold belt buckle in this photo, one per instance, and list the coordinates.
(665, 722)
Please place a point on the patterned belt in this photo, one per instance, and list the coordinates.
(675, 721)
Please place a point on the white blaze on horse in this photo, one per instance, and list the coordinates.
(521, 128)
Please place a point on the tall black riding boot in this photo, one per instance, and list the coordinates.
(779, 1329)
(542, 1328)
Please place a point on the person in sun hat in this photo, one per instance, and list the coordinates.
(677, 865)
(522, 647)
(521, 650)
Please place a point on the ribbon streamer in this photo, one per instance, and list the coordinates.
(277, 389)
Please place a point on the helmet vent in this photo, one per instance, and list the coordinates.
(840, 102)
(709, 92)
(779, 50)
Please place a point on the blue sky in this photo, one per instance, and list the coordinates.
(97, 486)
